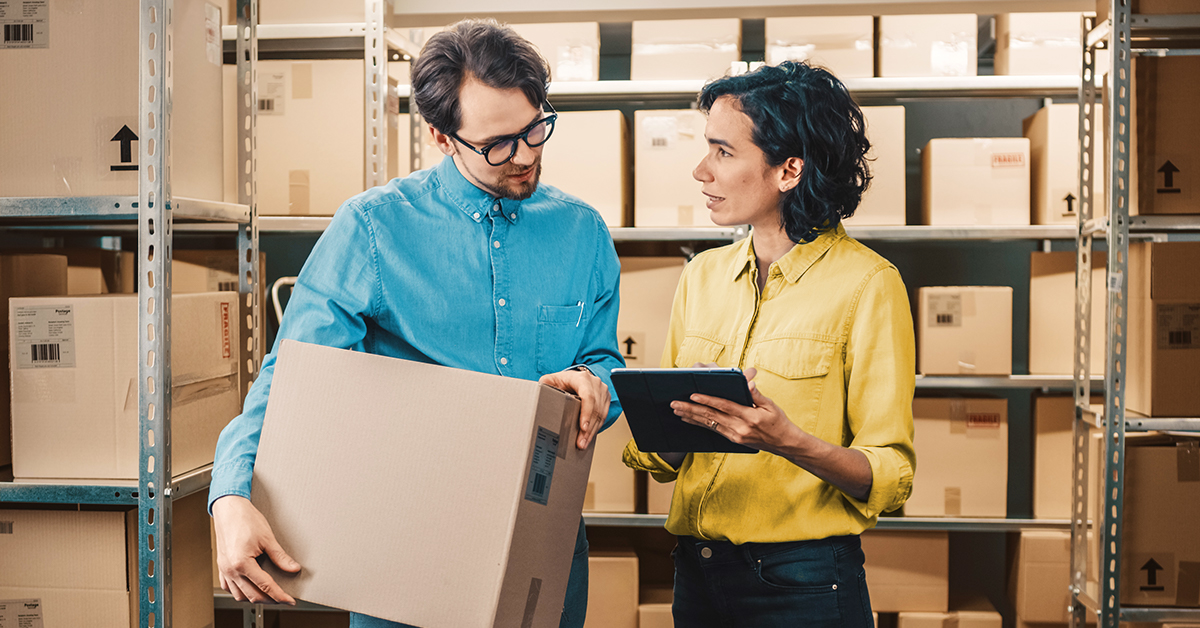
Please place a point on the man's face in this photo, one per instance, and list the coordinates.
(489, 114)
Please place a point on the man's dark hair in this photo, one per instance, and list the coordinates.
(493, 54)
(803, 111)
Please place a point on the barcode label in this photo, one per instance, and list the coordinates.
(1178, 326)
(945, 319)
(658, 142)
(6, 527)
(945, 310)
(1179, 338)
(266, 104)
(43, 336)
(227, 286)
(541, 466)
(46, 352)
(18, 33)
(272, 89)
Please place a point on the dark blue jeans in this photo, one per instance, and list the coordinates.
(574, 607)
(771, 585)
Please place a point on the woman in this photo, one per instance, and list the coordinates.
(822, 326)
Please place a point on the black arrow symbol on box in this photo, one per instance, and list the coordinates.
(126, 137)
(629, 342)
(1168, 169)
(1070, 199)
(1152, 568)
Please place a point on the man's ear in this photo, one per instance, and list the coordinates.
(444, 142)
(789, 174)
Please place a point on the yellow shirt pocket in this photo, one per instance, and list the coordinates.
(698, 350)
(792, 372)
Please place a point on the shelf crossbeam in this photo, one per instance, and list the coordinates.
(952, 524)
(116, 208)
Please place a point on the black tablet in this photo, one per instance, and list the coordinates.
(646, 396)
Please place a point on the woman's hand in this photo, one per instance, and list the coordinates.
(764, 426)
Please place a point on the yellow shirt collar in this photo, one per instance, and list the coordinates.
(798, 260)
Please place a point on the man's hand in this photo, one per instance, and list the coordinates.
(243, 534)
(593, 396)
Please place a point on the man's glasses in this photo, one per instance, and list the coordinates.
(502, 150)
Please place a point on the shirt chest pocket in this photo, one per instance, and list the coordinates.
(559, 329)
(696, 350)
(793, 373)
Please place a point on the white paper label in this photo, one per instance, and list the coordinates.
(1178, 326)
(663, 131)
(25, 24)
(949, 58)
(44, 336)
(541, 466)
(21, 613)
(270, 94)
(212, 33)
(945, 310)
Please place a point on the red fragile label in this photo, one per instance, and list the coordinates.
(1008, 160)
(226, 346)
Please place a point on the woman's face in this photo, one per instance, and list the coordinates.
(740, 186)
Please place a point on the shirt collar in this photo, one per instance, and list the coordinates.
(469, 199)
(795, 262)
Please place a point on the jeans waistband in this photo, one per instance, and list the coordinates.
(723, 551)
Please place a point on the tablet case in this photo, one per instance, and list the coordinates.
(646, 396)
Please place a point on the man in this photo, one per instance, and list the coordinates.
(470, 264)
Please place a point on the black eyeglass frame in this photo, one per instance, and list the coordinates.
(522, 136)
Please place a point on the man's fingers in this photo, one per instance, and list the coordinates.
(262, 581)
(281, 559)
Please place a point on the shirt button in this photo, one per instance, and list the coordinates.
(513, 216)
(502, 302)
(504, 361)
(496, 206)
(496, 244)
(476, 216)
(706, 552)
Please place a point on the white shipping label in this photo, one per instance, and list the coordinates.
(21, 613)
(945, 310)
(1178, 326)
(270, 94)
(541, 466)
(949, 58)
(212, 33)
(26, 24)
(575, 63)
(44, 336)
(661, 131)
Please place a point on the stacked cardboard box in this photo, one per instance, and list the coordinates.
(668, 145)
(964, 330)
(975, 181)
(883, 202)
(684, 49)
(1053, 134)
(571, 48)
(74, 369)
(76, 135)
(588, 157)
(1163, 329)
(79, 568)
(928, 45)
(1052, 312)
(1038, 43)
(1053, 452)
(612, 590)
(1165, 135)
(23, 276)
(843, 45)
(964, 462)
(907, 571)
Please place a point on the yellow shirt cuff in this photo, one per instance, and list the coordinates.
(891, 482)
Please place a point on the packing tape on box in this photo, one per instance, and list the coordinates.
(203, 390)
(958, 416)
(1187, 461)
(531, 600)
(953, 500)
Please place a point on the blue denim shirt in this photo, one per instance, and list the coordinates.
(430, 268)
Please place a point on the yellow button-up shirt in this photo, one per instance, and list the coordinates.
(831, 335)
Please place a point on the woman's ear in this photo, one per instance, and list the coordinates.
(789, 174)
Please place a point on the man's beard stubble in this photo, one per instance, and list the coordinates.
(517, 191)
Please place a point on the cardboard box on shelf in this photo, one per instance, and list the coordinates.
(668, 145)
(514, 463)
(1160, 551)
(647, 292)
(1166, 133)
(310, 136)
(76, 135)
(1053, 134)
(907, 571)
(843, 45)
(964, 330)
(1052, 312)
(611, 485)
(928, 45)
(975, 181)
(1150, 7)
(99, 271)
(24, 276)
(612, 590)
(883, 202)
(658, 496)
(684, 49)
(656, 615)
(964, 466)
(952, 619)
(588, 157)
(1040, 576)
(571, 48)
(1053, 451)
(74, 367)
(1163, 329)
(305, 11)
(1038, 44)
(79, 568)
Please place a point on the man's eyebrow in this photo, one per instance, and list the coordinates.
(493, 138)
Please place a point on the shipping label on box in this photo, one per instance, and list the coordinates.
(964, 466)
(964, 330)
(1163, 353)
(43, 336)
(975, 181)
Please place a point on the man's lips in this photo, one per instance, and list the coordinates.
(522, 176)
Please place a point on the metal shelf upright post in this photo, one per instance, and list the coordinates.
(1118, 37)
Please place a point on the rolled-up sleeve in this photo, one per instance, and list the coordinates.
(880, 375)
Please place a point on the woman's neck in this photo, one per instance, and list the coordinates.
(770, 244)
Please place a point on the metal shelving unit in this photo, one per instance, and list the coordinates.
(939, 524)
(1122, 37)
(154, 213)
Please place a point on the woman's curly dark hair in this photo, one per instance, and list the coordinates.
(803, 111)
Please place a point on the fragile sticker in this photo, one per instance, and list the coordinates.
(541, 466)
(44, 336)
(212, 33)
(1178, 325)
(21, 613)
(271, 93)
(25, 24)
(945, 310)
